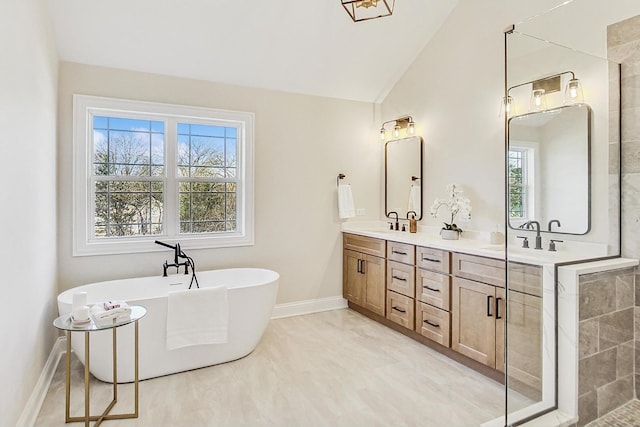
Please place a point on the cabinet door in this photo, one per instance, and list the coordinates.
(374, 297)
(473, 309)
(525, 344)
(353, 277)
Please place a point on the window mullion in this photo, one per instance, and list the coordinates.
(171, 214)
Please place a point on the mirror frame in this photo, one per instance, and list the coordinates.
(589, 126)
(421, 143)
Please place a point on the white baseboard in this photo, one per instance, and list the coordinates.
(32, 408)
(308, 306)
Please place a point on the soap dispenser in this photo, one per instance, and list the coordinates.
(413, 224)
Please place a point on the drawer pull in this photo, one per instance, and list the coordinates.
(399, 309)
(489, 298)
(399, 278)
(398, 252)
(431, 289)
(431, 259)
(359, 266)
(428, 322)
(362, 266)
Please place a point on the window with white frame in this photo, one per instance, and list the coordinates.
(517, 183)
(522, 182)
(145, 171)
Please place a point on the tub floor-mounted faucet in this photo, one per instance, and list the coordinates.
(179, 254)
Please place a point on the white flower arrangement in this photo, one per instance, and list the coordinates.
(456, 204)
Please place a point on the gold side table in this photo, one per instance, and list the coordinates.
(64, 324)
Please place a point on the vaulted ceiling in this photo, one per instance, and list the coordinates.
(303, 46)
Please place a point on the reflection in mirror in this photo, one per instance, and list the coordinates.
(549, 169)
(403, 176)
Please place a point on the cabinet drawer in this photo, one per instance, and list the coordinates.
(480, 269)
(400, 309)
(433, 323)
(401, 252)
(364, 244)
(433, 259)
(525, 278)
(433, 288)
(401, 278)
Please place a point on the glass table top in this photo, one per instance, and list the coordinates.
(65, 323)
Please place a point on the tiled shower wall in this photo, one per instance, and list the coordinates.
(609, 310)
(606, 346)
(623, 42)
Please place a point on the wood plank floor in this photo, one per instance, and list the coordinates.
(336, 368)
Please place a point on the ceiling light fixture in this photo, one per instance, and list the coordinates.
(364, 10)
(405, 122)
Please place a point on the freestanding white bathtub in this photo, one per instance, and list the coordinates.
(251, 295)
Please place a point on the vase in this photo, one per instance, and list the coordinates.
(449, 234)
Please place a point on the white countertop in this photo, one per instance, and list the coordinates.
(474, 243)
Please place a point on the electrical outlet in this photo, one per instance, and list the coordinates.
(361, 212)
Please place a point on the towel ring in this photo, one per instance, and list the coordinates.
(340, 176)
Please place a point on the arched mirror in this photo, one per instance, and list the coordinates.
(403, 177)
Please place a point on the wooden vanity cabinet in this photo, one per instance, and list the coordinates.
(478, 317)
(455, 300)
(364, 272)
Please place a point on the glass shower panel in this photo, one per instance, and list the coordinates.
(563, 206)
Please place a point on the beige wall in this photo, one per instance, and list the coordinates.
(301, 144)
(27, 184)
(453, 91)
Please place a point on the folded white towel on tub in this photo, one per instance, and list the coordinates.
(197, 317)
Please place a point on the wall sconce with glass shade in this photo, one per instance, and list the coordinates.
(573, 92)
(399, 124)
(538, 100)
(364, 10)
(541, 89)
